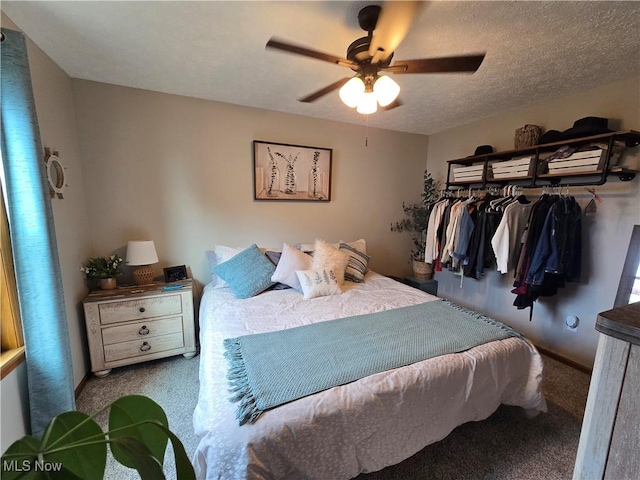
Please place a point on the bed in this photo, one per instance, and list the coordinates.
(360, 427)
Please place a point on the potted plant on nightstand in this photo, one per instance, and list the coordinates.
(416, 223)
(104, 269)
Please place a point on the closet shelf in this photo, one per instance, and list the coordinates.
(631, 138)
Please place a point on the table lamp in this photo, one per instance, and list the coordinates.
(142, 253)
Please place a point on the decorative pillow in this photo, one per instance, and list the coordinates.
(273, 256)
(218, 255)
(318, 283)
(358, 264)
(360, 245)
(308, 248)
(305, 247)
(329, 256)
(291, 260)
(248, 273)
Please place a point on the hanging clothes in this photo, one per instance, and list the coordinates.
(432, 244)
(552, 252)
(507, 240)
(477, 256)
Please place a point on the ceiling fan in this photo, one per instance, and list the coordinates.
(370, 57)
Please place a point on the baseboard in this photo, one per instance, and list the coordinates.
(81, 385)
(564, 360)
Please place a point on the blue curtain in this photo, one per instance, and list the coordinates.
(44, 321)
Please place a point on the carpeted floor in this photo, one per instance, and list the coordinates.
(506, 446)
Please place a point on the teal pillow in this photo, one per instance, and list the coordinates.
(248, 273)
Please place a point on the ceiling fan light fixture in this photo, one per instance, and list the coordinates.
(351, 92)
(368, 104)
(386, 90)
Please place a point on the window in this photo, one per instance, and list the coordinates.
(11, 334)
(629, 286)
(635, 288)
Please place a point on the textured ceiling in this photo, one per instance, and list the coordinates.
(215, 50)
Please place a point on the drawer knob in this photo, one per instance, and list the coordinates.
(141, 309)
(143, 331)
(145, 347)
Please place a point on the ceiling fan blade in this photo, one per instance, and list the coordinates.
(307, 52)
(396, 103)
(328, 89)
(393, 25)
(462, 63)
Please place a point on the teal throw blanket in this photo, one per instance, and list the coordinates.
(273, 368)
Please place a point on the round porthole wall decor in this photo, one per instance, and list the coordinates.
(56, 174)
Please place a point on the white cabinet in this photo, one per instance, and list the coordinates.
(136, 324)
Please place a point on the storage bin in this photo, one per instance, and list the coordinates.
(514, 168)
(585, 161)
(471, 173)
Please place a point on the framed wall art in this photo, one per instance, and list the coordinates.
(291, 172)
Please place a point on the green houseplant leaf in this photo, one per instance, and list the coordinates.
(142, 419)
(131, 416)
(140, 456)
(418, 216)
(88, 457)
(75, 447)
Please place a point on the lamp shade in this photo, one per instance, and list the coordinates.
(141, 252)
(367, 103)
(386, 90)
(351, 92)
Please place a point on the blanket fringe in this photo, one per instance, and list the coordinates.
(247, 411)
(484, 318)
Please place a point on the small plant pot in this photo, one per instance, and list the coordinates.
(422, 270)
(108, 283)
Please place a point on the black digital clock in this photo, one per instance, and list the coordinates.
(173, 274)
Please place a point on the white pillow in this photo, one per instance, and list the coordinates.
(218, 255)
(291, 260)
(318, 283)
(326, 255)
(310, 247)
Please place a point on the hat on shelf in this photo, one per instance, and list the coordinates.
(586, 127)
(551, 136)
(483, 150)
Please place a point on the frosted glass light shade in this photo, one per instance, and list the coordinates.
(367, 103)
(141, 253)
(386, 90)
(351, 92)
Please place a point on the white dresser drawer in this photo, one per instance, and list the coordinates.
(138, 348)
(141, 330)
(158, 306)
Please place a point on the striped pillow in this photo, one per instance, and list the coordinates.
(358, 264)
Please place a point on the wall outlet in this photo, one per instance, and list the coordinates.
(572, 323)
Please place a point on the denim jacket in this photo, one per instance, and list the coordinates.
(558, 250)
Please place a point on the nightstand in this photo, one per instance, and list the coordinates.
(135, 324)
(429, 286)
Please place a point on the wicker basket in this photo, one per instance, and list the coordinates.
(527, 136)
(422, 270)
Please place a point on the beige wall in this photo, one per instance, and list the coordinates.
(178, 170)
(56, 117)
(605, 236)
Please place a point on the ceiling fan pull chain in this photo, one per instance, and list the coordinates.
(366, 129)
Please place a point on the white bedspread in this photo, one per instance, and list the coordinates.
(364, 426)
